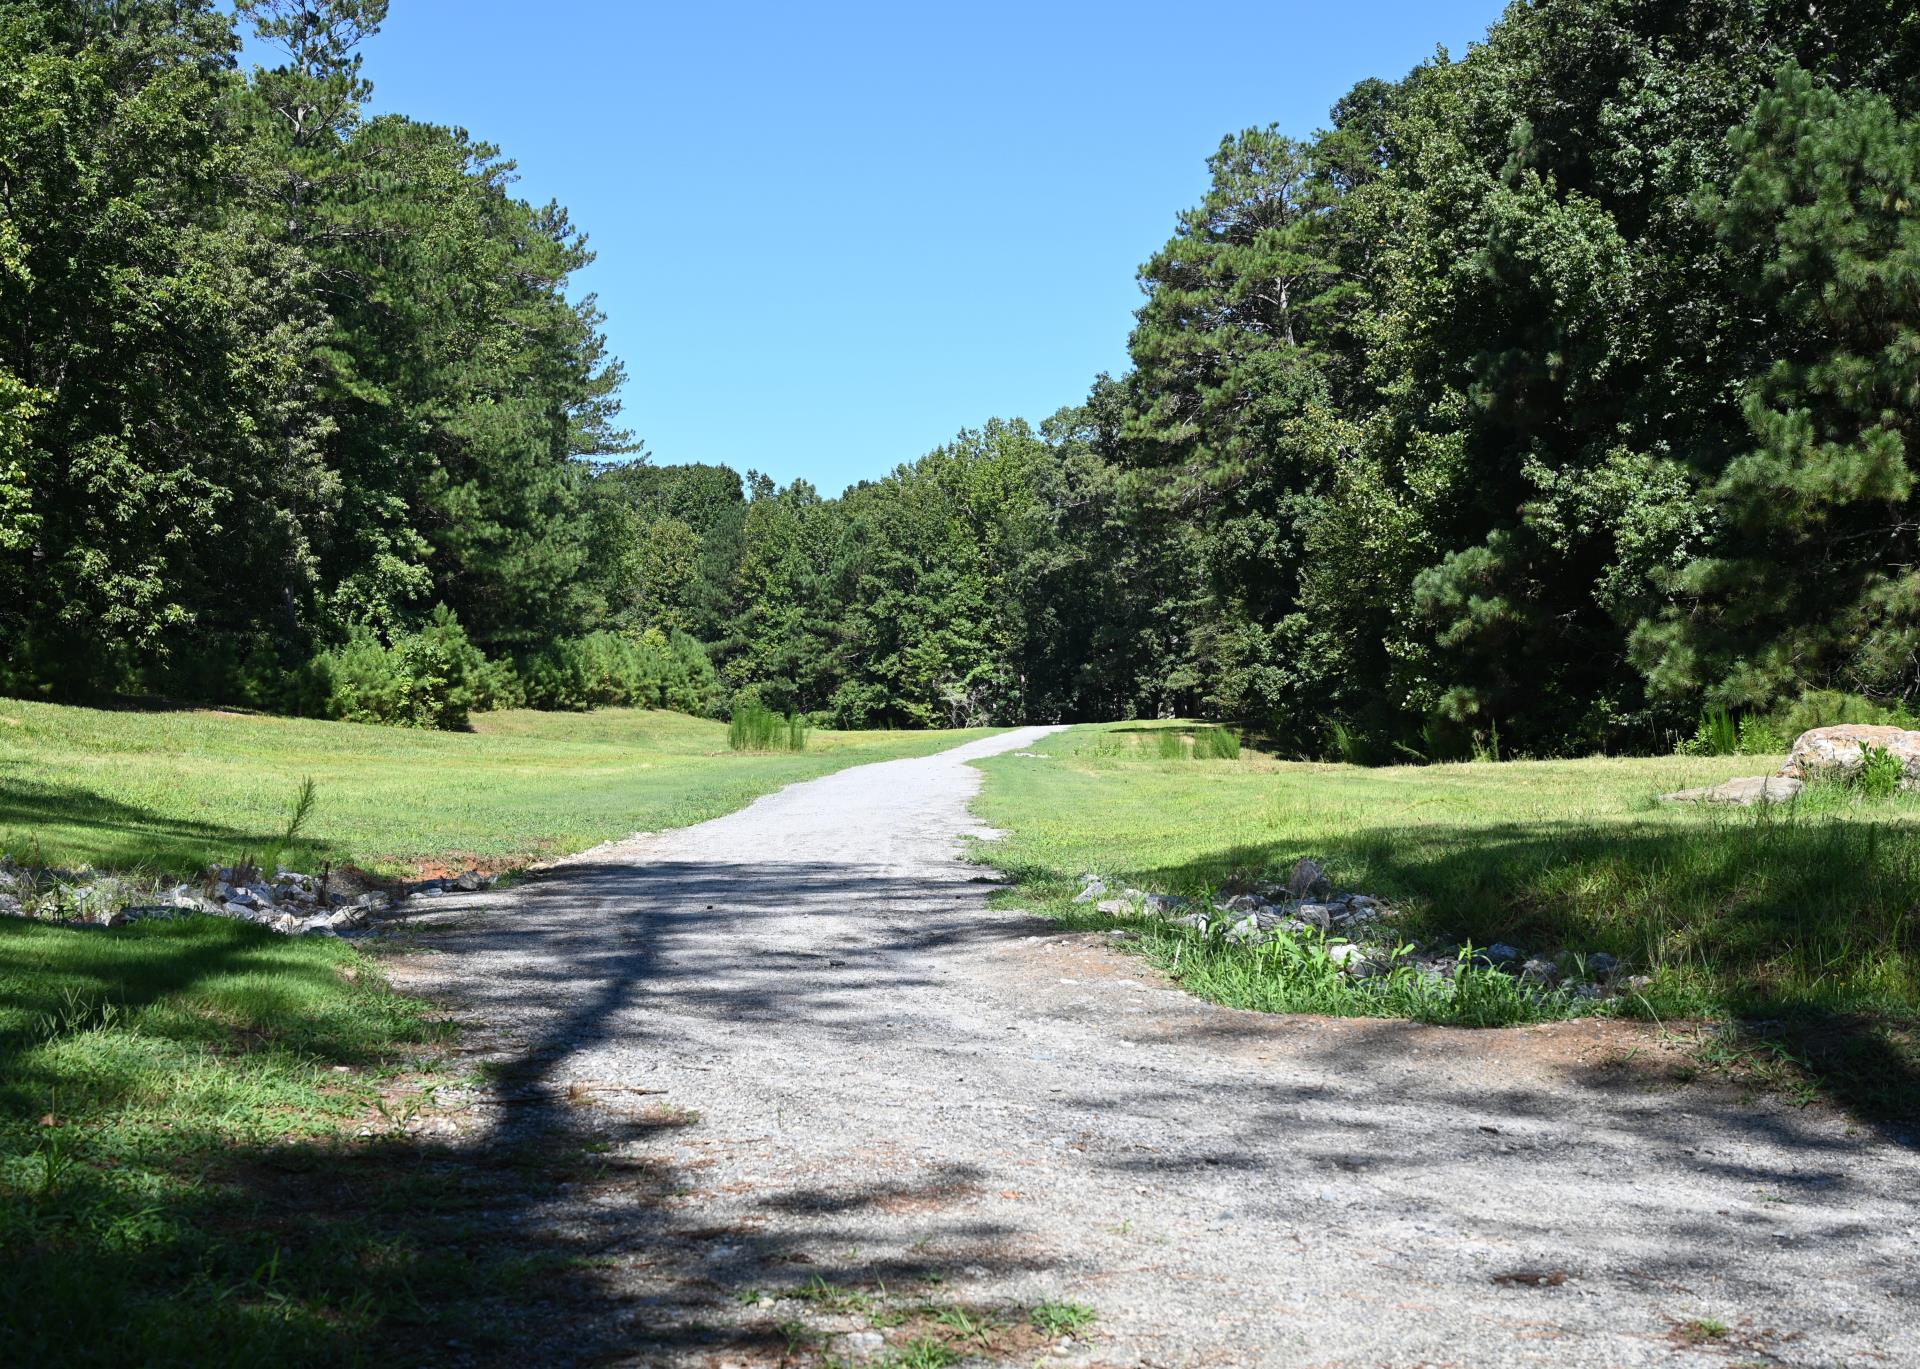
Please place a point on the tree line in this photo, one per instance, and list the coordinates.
(1543, 398)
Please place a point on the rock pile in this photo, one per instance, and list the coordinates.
(1359, 931)
(289, 902)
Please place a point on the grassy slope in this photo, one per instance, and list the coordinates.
(172, 1186)
(1802, 916)
(176, 791)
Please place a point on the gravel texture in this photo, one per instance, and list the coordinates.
(803, 1047)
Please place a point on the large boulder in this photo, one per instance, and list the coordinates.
(1839, 752)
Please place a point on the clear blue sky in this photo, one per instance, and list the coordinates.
(830, 236)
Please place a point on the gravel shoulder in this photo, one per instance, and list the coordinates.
(803, 1048)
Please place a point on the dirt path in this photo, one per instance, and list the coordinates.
(894, 1085)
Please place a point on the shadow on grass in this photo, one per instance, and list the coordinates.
(1800, 930)
(125, 836)
(554, 1229)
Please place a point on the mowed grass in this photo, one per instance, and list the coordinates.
(143, 1074)
(1801, 921)
(183, 1174)
(173, 792)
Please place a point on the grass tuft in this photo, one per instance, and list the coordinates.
(754, 728)
(1062, 1318)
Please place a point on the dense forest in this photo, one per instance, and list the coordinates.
(1547, 395)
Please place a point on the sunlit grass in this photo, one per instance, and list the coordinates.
(176, 791)
(1800, 916)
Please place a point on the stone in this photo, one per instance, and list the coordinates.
(1501, 954)
(862, 1344)
(1114, 907)
(1309, 880)
(1360, 915)
(145, 912)
(1092, 890)
(1841, 751)
(1537, 971)
(1246, 932)
(1747, 790)
(1317, 914)
(1601, 965)
(1165, 905)
(1354, 960)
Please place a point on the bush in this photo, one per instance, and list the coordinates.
(1880, 773)
(1759, 737)
(418, 679)
(1830, 707)
(609, 669)
(1721, 733)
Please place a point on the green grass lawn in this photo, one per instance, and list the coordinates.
(175, 1187)
(173, 792)
(1801, 921)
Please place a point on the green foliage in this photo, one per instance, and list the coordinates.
(1830, 708)
(1552, 395)
(1759, 737)
(754, 727)
(1880, 773)
(1215, 744)
(429, 678)
(1062, 1318)
(277, 378)
(1717, 735)
(607, 669)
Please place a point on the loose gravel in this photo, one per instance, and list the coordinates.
(804, 1049)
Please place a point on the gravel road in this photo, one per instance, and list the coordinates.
(803, 1049)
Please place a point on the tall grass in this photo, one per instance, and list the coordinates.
(754, 728)
(1200, 744)
(1215, 744)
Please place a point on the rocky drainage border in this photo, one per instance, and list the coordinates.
(1361, 933)
(333, 903)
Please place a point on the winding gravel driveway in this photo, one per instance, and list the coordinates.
(803, 1048)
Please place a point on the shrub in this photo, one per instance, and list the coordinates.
(1880, 773)
(610, 669)
(417, 679)
(1723, 733)
(1759, 737)
(1830, 707)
